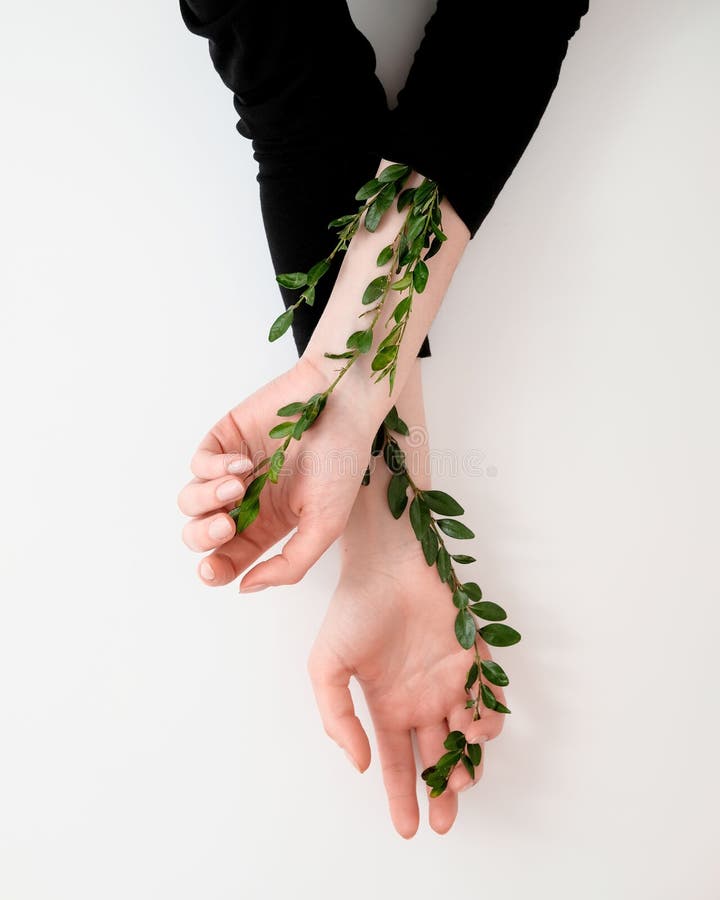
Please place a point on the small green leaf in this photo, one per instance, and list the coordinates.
(455, 529)
(419, 517)
(395, 423)
(499, 635)
(394, 172)
(281, 324)
(443, 564)
(402, 283)
(397, 494)
(463, 559)
(460, 599)
(366, 477)
(342, 221)
(448, 760)
(394, 457)
(469, 704)
(465, 629)
(474, 751)
(488, 698)
(405, 198)
(277, 460)
(430, 546)
(378, 442)
(385, 255)
(494, 673)
(247, 513)
(292, 280)
(317, 272)
(435, 245)
(282, 430)
(375, 289)
(380, 205)
(254, 488)
(501, 708)
(427, 772)
(369, 189)
(308, 295)
(455, 741)
(489, 611)
(360, 340)
(438, 791)
(472, 589)
(302, 425)
(472, 676)
(383, 358)
(470, 768)
(292, 409)
(420, 276)
(442, 503)
(402, 309)
(346, 355)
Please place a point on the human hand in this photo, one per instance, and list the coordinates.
(315, 490)
(390, 624)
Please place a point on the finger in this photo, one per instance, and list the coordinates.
(199, 497)
(210, 460)
(331, 685)
(230, 560)
(400, 777)
(442, 810)
(208, 532)
(312, 538)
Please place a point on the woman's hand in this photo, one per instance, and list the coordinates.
(390, 624)
(315, 491)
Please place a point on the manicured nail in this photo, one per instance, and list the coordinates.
(207, 572)
(229, 490)
(220, 528)
(352, 760)
(241, 464)
(252, 588)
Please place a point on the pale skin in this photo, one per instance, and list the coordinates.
(390, 621)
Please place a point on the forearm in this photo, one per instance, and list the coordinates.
(341, 316)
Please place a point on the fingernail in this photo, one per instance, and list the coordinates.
(220, 528)
(229, 490)
(207, 572)
(250, 589)
(352, 759)
(241, 464)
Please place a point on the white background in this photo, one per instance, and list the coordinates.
(159, 739)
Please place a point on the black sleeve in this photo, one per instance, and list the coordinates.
(479, 84)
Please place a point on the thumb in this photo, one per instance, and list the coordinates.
(331, 684)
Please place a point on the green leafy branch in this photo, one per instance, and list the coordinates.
(420, 234)
(467, 597)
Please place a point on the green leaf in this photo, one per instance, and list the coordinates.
(375, 289)
(472, 676)
(494, 673)
(383, 358)
(427, 772)
(302, 425)
(394, 172)
(254, 488)
(292, 280)
(366, 477)
(405, 198)
(360, 340)
(488, 698)
(489, 611)
(282, 430)
(420, 276)
(317, 272)
(415, 225)
(442, 503)
(469, 704)
(390, 338)
(397, 494)
(460, 599)
(474, 751)
(277, 460)
(380, 205)
(455, 741)
(419, 517)
(292, 409)
(443, 564)
(342, 221)
(465, 629)
(472, 589)
(402, 309)
(281, 324)
(448, 760)
(395, 423)
(423, 192)
(455, 529)
(499, 635)
(394, 457)
(430, 546)
(308, 295)
(385, 255)
(369, 189)
(247, 513)
(463, 559)
(378, 442)
(470, 768)
(501, 708)
(435, 245)
(346, 355)
(402, 283)
(438, 791)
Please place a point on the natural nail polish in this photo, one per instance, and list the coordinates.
(219, 529)
(237, 466)
(229, 490)
(252, 588)
(207, 572)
